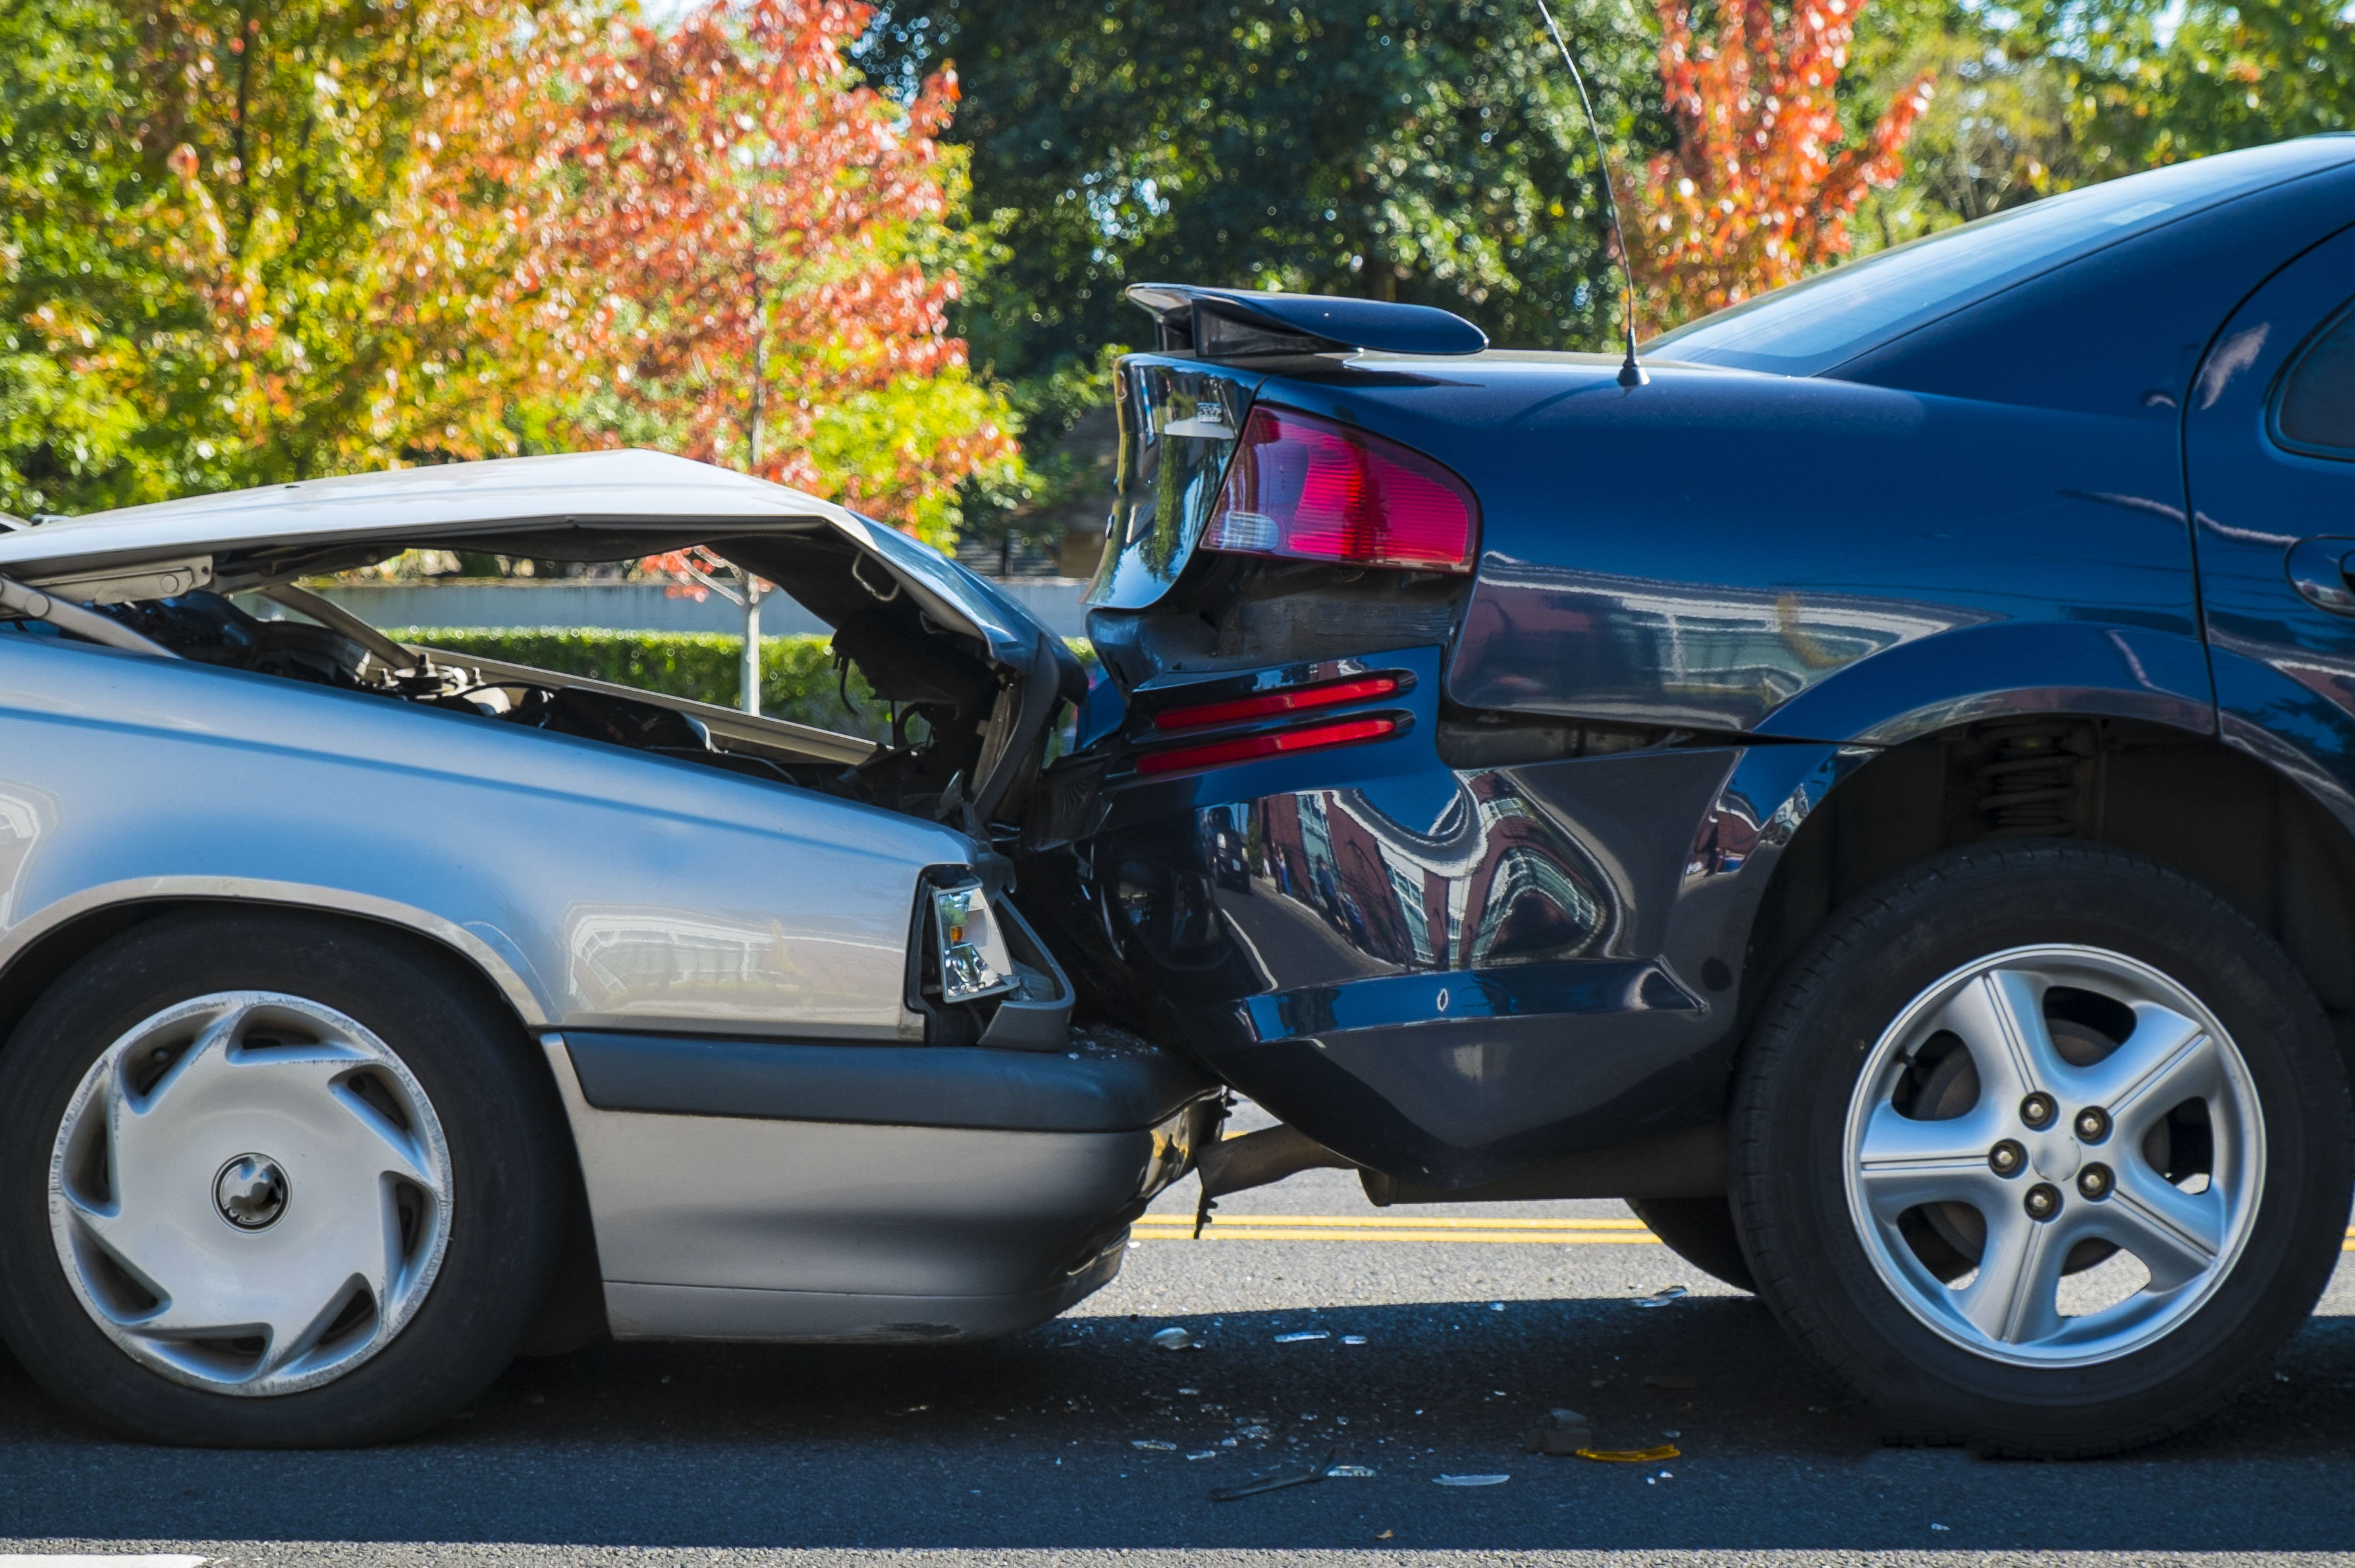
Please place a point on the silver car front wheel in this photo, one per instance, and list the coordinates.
(251, 1193)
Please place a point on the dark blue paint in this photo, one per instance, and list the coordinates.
(2268, 516)
(1773, 577)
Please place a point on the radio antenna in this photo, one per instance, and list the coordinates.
(1631, 374)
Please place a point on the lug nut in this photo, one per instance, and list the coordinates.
(2042, 1201)
(2038, 1110)
(2006, 1159)
(2094, 1181)
(2093, 1125)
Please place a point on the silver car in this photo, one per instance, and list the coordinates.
(374, 1012)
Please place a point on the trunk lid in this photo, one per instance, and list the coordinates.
(913, 620)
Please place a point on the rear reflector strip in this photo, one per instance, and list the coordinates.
(1269, 704)
(1250, 748)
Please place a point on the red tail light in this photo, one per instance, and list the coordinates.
(1250, 748)
(1302, 487)
(1331, 694)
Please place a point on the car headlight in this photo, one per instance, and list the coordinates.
(974, 962)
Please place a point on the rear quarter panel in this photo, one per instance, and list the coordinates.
(594, 886)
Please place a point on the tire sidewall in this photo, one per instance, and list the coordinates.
(504, 1215)
(1822, 1035)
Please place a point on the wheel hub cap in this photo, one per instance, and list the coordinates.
(2057, 1157)
(2061, 1042)
(250, 1192)
(172, 1187)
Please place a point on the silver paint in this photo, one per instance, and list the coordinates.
(596, 886)
(739, 1227)
(159, 1235)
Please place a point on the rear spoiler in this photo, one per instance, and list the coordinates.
(1235, 323)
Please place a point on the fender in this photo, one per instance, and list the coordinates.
(2116, 670)
(490, 950)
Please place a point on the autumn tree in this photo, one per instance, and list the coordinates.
(195, 284)
(244, 243)
(760, 251)
(1759, 186)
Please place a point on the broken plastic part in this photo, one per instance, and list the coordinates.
(1561, 1433)
(1661, 1298)
(1172, 1338)
(1353, 1338)
(1154, 1443)
(1350, 1472)
(1631, 1455)
(1304, 1336)
(1276, 1482)
(1491, 1480)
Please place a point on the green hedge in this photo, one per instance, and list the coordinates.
(798, 680)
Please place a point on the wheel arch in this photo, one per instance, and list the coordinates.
(33, 959)
(2227, 819)
(44, 945)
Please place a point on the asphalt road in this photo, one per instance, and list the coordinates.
(1080, 1444)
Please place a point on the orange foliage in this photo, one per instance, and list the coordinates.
(1760, 187)
(712, 237)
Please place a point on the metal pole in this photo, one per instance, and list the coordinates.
(751, 676)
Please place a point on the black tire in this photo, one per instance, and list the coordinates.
(1806, 1056)
(496, 1109)
(1701, 1231)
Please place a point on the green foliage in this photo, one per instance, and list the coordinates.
(193, 272)
(2066, 92)
(1434, 155)
(798, 680)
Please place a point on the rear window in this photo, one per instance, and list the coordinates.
(2316, 412)
(1813, 326)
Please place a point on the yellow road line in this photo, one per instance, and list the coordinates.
(1522, 1238)
(1396, 1223)
(1385, 1227)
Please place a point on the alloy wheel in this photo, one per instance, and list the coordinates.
(2031, 1117)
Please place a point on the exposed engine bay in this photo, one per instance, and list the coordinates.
(940, 697)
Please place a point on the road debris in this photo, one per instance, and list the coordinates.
(1632, 1456)
(1349, 1472)
(1496, 1306)
(1353, 1338)
(1205, 1454)
(1156, 1444)
(1275, 1482)
(1662, 1297)
(1304, 1336)
(1561, 1433)
(1173, 1339)
(1471, 1480)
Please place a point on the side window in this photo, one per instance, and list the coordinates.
(2316, 412)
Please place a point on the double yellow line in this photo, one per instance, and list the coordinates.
(1390, 1228)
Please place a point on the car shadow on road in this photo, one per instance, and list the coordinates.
(1082, 1434)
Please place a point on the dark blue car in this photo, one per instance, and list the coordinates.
(1878, 795)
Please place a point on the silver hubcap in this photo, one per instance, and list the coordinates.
(235, 1270)
(2054, 1156)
